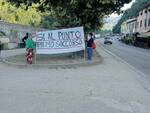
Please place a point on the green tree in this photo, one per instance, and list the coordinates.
(88, 13)
(7, 12)
(49, 21)
(28, 17)
(10, 13)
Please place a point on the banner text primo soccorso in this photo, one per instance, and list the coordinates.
(60, 41)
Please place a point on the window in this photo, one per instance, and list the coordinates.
(141, 23)
(149, 22)
(145, 23)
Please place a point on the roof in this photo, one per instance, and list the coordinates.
(131, 20)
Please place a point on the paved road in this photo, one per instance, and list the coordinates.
(137, 57)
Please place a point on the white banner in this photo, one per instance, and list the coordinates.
(60, 41)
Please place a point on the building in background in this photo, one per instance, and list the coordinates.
(128, 28)
(140, 24)
(143, 20)
(124, 28)
(138, 29)
(131, 26)
(143, 27)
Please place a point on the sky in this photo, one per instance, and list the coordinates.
(113, 18)
(125, 7)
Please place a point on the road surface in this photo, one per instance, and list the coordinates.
(135, 56)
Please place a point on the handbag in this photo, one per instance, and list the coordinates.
(94, 45)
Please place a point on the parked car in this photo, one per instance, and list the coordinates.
(107, 40)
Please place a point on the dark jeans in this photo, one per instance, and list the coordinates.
(89, 53)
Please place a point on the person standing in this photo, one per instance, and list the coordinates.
(90, 42)
(30, 46)
(25, 38)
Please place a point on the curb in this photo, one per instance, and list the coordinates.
(54, 66)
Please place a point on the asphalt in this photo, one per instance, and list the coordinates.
(135, 56)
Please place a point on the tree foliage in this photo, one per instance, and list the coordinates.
(12, 14)
(49, 22)
(88, 13)
(130, 13)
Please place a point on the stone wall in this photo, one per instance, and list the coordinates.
(15, 32)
